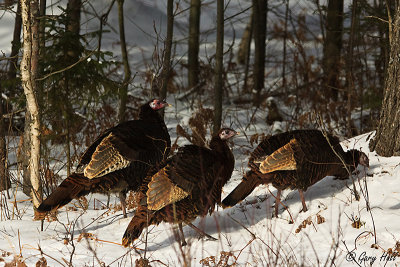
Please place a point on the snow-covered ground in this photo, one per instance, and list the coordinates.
(247, 234)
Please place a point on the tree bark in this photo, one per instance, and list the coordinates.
(4, 177)
(387, 139)
(166, 72)
(72, 54)
(244, 51)
(218, 87)
(332, 48)
(29, 68)
(26, 152)
(123, 90)
(15, 45)
(245, 42)
(73, 26)
(353, 38)
(193, 50)
(260, 29)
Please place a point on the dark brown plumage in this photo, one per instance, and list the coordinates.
(296, 160)
(118, 160)
(187, 185)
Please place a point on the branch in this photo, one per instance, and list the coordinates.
(66, 68)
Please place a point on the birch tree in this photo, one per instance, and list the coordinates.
(29, 69)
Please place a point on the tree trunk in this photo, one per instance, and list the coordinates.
(332, 48)
(245, 42)
(285, 37)
(123, 93)
(73, 26)
(29, 68)
(71, 53)
(26, 152)
(4, 177)
(260, 29)
(193, 52)
(244, 51)
(42, 41)
(166, 72)
(353, 38)
(15, 45)
(219, 55)
(387, 139)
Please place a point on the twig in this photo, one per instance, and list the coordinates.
(42, 253)
(236, 221)
(68, 67)
(378, 18)
(280, 202)
(324, 132)
(253, 236)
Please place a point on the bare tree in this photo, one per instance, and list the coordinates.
(193, 50)
(123, 90)
(260, 29)
(219, 55)
(71, 54)
(350, 62)
(11, 82)
(15, 45)
(166, 71)
(243, 56)
(4, 178)
(387, 139)
(332, 47)
(29, 69)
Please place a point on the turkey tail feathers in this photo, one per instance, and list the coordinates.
(281, 159)
(162, 191)
(69, 189)
(244, 189)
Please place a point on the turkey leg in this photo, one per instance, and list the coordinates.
(303, 200)
(122, 198)
(183, 241)
(277, 201)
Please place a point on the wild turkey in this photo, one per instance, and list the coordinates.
(187, 185)
(118, 160)
(296, 160)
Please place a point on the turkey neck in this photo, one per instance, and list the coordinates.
(351, 158)
(148, 114)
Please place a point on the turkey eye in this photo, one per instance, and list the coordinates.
(226, 132)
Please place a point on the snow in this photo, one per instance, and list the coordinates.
(247, 234)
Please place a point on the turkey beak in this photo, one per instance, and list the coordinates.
(260, 160)
(237, 133)
(165, 104)
(366, 162)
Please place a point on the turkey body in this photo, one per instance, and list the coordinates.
(295, 160)
(118, 160)
(186, 186)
